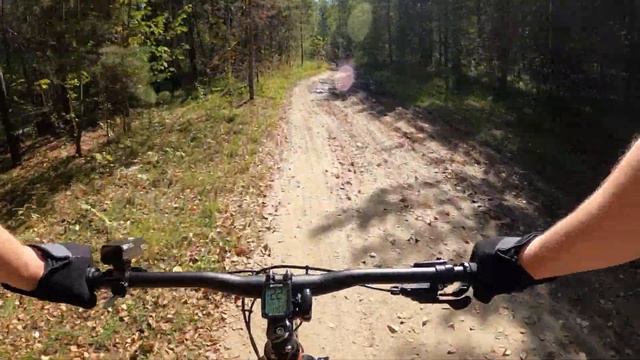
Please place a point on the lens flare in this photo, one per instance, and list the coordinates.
(345, 78)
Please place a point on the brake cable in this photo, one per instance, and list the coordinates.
(246, 316)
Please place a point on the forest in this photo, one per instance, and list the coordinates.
(555, 83)
(72, 65)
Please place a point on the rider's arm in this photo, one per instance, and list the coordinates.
(604, 231)
(50, 272)
(20, 265)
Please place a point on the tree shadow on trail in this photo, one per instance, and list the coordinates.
(378, 206)
(600, 304)
(594, 313)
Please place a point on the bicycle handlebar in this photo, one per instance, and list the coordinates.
(425, 283)
(319, 284)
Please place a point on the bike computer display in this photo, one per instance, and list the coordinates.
(276, 300)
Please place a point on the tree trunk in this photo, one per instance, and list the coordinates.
(503, 70)
(446, 28)
(5, 40)
(45, 125)
(552, 85)
(191, 38)
(504, 43)
(426, 37)
(632, 58)
(229, 42)
(479, 35)
(77, 128)
(203, 51)
(456, 46)
(301, 43)
(252, 51)
(13, 140)
(78, 122)
(389, 38)
(440, 41)
(71, 122)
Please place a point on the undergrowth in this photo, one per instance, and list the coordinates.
(168, 180)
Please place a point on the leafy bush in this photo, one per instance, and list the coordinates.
(200, 91)
(179, 95)
(164, 98)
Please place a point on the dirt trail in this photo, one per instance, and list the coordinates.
(359, 186)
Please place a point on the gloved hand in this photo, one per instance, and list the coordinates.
(64, 279)
(499, 270)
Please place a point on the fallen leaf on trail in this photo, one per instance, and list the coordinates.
(241, 250)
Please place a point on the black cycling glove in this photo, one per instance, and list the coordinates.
(499, 271)
(65, 275)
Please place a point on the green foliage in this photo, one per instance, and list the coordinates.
(72, 65)
(179, 95)
(317, 47)
(149, 30)
(43, 84)
(164, 98)
(125, 77)
(200, 92)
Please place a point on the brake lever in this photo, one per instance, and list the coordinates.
(110, 302)
(461, 291)
(456, 303)
(428, 294)
(119, 284)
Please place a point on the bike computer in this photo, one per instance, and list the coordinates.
(276, 297)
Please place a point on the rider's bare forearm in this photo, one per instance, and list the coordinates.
(604, 231)
(20, 266)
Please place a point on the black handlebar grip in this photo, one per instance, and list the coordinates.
(95, 278)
